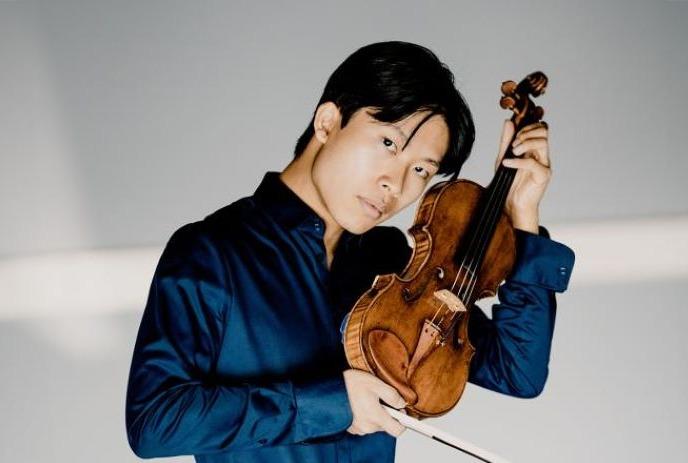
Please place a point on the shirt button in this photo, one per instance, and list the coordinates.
(262, 441)
(562, 270)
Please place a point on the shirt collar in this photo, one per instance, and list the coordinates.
(280, 202)
(285, 206)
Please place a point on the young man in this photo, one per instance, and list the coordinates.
(239, 354)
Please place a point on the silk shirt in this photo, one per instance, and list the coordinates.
(239, 355)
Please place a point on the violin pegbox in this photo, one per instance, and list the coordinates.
(516, 97)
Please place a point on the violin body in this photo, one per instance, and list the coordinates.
(395, 331)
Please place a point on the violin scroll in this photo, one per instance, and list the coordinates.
(516, 97)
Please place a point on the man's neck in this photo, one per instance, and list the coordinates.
(298, 177)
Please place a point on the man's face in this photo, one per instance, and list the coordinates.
(362, 167)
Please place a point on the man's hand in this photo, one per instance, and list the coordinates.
(365, 391)
(531, 147)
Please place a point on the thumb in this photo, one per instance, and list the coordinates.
(389, 395)
(507, 135)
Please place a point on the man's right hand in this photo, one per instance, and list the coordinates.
(365, 391)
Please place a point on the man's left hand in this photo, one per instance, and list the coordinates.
(531, 148)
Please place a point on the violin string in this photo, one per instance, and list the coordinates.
(511, 172)
(500, 176)
(484, 249)
(495, 193)
(484, 222)
(495, 212)
(489, 221)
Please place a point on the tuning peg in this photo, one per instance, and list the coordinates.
(507, 102)
(508, 87)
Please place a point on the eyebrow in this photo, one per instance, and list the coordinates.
(407, 139)
(433, 162)
(425, 119)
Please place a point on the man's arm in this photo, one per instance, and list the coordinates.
(175, 403)
(513, 348)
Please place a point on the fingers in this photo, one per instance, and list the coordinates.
(388, 394)
(534, 148)
(532, 141)
(355, 429)
(391, 397)
(381, 420)
(507, 134)
(540, 173)
(531, 138)
(390, 425)
(365, 391)
(529, 145)
(533, 126)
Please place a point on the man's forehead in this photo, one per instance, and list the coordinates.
(407, 125)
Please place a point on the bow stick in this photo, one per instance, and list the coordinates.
(445, 438)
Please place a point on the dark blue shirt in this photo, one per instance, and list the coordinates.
(239, 355)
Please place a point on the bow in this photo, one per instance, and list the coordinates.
(445, 438)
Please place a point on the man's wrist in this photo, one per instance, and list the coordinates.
(526, 220)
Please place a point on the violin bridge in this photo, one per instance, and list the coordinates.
(450, 299)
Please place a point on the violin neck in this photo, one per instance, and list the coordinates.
(486, 217)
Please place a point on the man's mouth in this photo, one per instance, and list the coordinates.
(370, 208)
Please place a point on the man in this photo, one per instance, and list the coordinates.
(239, 354)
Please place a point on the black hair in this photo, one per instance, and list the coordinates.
(398, 79)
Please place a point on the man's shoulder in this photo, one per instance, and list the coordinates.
(230, 215)
(215, 226)
(385, 248)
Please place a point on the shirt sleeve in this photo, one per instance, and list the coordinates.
(513, 347)
(176, 404)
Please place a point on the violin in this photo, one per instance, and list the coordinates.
(411, 330)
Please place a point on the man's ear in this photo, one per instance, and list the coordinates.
(327, 118)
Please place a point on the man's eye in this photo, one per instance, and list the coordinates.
(421, 171)
(389, 143)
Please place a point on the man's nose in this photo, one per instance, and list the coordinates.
(393, 181)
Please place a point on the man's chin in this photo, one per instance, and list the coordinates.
(361, 227)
